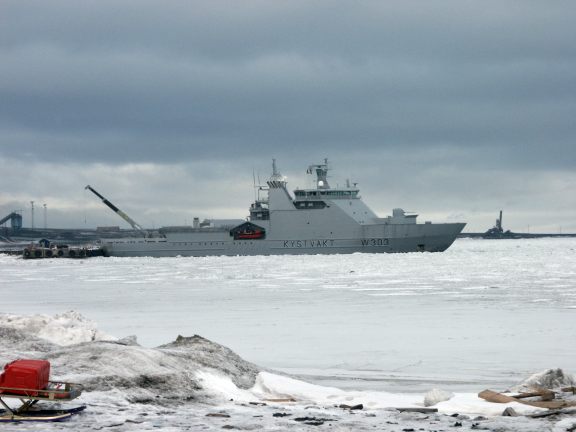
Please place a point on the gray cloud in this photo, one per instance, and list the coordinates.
(428, 92)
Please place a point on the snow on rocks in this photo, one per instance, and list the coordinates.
(162, 375)
(551, 379)
(16, 343)
(211, 355)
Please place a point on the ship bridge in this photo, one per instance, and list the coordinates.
(345, 199)
(323, 189)
(315, 194)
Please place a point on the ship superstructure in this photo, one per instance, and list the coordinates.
(318, 220)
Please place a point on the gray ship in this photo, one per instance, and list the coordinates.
(320, 220)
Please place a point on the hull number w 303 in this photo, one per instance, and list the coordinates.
(375, 242)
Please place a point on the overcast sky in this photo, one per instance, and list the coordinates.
(452, 109)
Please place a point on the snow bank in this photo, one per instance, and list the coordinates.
(273, 386)
(270, 387)
(471, 405)
(62, 329)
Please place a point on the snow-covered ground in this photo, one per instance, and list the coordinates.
(380, 330)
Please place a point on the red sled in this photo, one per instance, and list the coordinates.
(26, 374)
(29, 382)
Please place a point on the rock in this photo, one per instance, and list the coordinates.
(314, 421)
(416, 410)
(509, 412)
(351, 407)
(548, 379)
(131, 340)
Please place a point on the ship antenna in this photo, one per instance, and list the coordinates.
(274, 169)
(275, 174)
(254, 184)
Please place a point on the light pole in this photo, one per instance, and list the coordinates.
(45, 217)
(32, 212)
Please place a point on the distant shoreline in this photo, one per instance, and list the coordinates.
(513, 236)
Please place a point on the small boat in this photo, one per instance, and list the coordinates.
(250, 235)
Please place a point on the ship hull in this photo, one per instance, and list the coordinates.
(380, 239)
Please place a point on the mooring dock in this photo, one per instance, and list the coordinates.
(45, 249)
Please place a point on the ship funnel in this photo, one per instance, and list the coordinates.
(277, 180)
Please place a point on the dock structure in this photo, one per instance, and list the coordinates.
(60, 251)
(45, 249)
(15, 220)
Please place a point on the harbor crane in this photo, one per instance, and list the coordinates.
(119, 212)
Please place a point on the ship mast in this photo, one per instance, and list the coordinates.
(321, 171)
(275, 173)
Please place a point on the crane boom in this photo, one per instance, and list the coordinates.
(116, 210)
